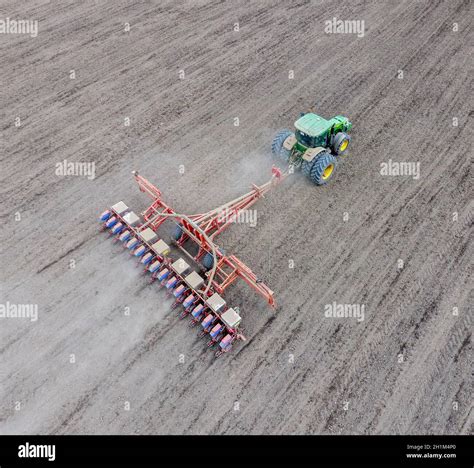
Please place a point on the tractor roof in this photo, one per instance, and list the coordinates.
(312, 124)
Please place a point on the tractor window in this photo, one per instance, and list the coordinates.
(303, 138)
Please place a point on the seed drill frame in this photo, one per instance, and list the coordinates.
(200, 294)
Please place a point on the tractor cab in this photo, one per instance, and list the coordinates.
(311, 130)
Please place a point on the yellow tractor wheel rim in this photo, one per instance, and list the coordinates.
(343, 145)
(328, 171)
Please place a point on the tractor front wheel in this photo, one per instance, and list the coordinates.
(277, 145)
(323, 168)
(340, 144)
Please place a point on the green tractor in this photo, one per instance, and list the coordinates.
(314, 146)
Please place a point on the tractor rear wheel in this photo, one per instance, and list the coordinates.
(306, 168)
(340, 144)
(277, 145)
(323, 168)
